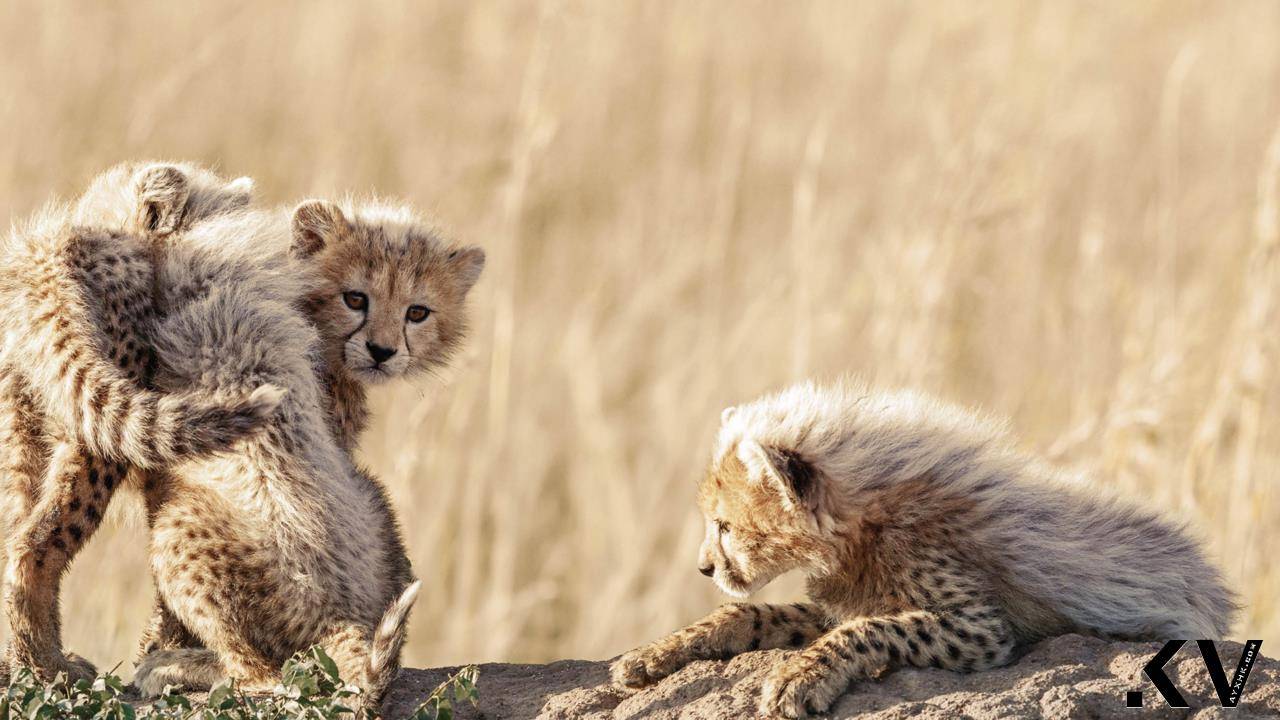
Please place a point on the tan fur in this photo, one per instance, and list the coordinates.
(927, 540)
(231, 286)
(290, 544)
(79, 284)
(386, 254)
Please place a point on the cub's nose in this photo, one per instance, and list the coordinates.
(707, 570)
(378, 353)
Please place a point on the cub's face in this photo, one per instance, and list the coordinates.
(749, 538)
(390, 297)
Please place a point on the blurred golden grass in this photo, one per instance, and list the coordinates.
(1064, 212)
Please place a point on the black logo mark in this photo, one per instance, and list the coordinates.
(1228, 692)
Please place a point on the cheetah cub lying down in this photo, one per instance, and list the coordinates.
(928, 540)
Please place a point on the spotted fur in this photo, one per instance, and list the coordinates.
(74, 413)
(239, 275)
(927, 539)
(291, 544)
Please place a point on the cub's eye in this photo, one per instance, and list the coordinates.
(355, 300)
(417, 313)
(722, 527)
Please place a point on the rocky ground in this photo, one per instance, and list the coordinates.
(1067, 677)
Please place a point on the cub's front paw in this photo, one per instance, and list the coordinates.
(646, 665)
(47, 667)
(800, 686)
(78, 668)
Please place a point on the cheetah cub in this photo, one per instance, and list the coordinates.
(928, 540)
(291, 544)
(74, 412)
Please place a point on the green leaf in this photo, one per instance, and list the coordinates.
(326, 663)
(220, 696)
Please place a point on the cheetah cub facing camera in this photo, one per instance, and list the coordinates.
(289, 543)
(927, 539)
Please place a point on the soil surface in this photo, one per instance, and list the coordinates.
(1066, 677)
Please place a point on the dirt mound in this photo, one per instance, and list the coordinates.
(1066, 677)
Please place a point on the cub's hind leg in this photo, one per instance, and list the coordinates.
(24, 452)
(164, 631)
(730, 630)
(68, 510)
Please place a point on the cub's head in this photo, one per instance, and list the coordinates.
(156, 200)
(763, 506)
(390, 293)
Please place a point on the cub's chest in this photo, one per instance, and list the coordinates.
(865, 589)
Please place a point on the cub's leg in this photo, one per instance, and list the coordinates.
(66, 514)
(23, 459)
(209, 578)
(164, 631)
(974, 637)
(230, 655)
(191, 669)
(730, 630)
(23, 450)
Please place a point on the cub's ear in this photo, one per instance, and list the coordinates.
(467, 262)
(317, 223)
(162, 192)
(790, 475)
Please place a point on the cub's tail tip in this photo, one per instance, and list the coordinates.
(388, 641)
(394, 618)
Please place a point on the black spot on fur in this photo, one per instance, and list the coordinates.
(797, 639)
(952, 650)
(925, 637)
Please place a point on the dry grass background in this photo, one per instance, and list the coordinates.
(1064, 212)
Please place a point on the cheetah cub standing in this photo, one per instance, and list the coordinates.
(928, 540)
(74, 414)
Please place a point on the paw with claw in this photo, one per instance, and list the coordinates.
(647, 665)
(804, 684)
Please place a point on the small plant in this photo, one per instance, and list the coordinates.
(460, 685)
(27, 697)
(310, 687)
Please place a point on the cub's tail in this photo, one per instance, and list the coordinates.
(388, 640)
